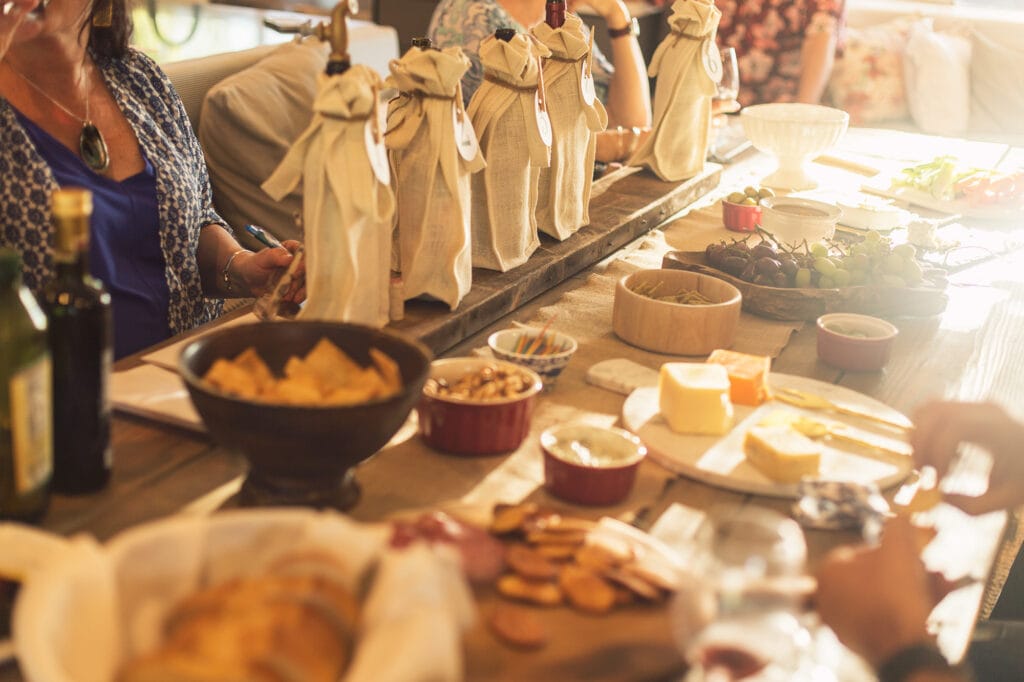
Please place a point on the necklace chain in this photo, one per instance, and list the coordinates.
(83, 121)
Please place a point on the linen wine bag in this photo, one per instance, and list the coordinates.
(688, 67)
(348, 205)
(434, 152)
(510, 118)
(563, 192)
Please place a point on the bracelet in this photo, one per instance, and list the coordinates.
(225, 274)
(911, 659)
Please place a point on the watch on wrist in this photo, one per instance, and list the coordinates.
(912, 659)
(630, 29)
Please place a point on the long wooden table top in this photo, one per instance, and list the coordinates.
(969, 353)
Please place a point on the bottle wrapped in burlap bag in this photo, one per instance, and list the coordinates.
(688, 67)
(347, 202)
(509, 114)
(434, 152)
(563, 191)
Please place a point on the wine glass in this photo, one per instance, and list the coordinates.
(726, 90)
(740, 616)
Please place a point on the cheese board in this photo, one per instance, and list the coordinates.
(867, 452)
(782, 303)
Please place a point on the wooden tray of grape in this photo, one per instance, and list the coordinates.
(808, 303)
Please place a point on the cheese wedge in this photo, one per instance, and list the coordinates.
(781, 453)
(694, 398)
(748, 375)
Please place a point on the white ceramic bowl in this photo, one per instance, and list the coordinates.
(547, 364)
(792, 219)
(795, 134)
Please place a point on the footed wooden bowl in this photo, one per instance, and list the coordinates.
(302, 454)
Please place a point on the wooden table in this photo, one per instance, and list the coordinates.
(968, 353)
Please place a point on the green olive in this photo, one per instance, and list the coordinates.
(765, 193)
(736, 198)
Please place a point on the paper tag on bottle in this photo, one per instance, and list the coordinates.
(465, 135)
(587, 87)
(712, 59)
(377, 153)
(543, 121)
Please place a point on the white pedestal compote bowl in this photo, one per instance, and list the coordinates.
(795, 134)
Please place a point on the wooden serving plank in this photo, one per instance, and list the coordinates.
(720, 461)
(807, 304)
(624, 205)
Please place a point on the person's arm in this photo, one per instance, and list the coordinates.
(817, 56)
(629, 92)
(248, 273)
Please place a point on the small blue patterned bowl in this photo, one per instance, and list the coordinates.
(513, 345)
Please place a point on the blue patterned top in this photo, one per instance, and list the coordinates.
(465, 23)
(184, 202)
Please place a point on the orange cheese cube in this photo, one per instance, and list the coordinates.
(748, 375)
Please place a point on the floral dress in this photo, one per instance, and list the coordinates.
(464, 23)
(768, 36)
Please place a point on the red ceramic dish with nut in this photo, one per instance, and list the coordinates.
(740, 217)
(468, 422)
(858, 343)
(590, 465)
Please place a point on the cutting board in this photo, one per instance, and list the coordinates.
(719, 460)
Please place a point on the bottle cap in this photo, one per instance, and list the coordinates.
(505, 34)
(71, 202)
(422, 42)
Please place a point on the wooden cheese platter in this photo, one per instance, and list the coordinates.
(720, 461)
(781, 303)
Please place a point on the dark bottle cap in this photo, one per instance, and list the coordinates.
(422, 42)
(554, 13)
(505, 34)
(336, 67)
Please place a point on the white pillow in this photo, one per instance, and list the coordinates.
(937, 70)
(249, 121)
(997, 86)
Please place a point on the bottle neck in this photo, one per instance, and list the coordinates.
(554, 14)
(71, 245)
(74, 265)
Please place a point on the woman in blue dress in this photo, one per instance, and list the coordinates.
(78, 107)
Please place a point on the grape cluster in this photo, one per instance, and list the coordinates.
(871, 261)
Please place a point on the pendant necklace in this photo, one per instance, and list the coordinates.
(91, 145)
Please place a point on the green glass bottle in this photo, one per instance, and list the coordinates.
(26, 426)
(80, 332)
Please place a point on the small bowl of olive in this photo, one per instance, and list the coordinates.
(741, 211)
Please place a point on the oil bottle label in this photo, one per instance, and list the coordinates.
(32, 425)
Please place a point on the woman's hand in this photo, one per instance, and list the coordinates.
(940, 428)
(259, 271)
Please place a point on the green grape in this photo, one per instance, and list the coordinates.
(858, 261)
(857, 277)
(818, 249)
(893, 281)
(802, 278)
(826, 282)
(841, 278)
(912, 272)
(905, 250)
(825, 266)
(893, 264)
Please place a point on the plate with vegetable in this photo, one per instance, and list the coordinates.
(946, 185)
